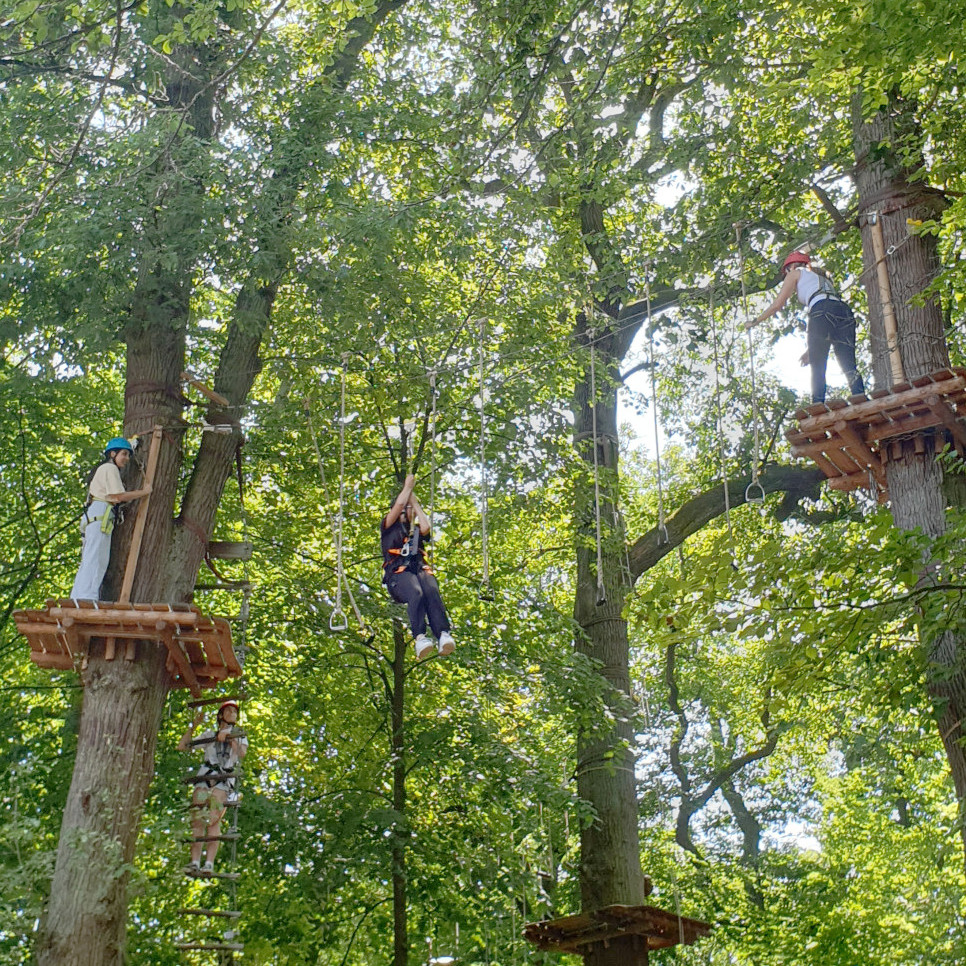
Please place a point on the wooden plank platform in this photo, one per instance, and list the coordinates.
(573, 934)
(200, 652)
(852, 441)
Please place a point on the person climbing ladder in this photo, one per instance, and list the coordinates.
(224, 750)
(407, 576)
(105, 492)
(831, 324)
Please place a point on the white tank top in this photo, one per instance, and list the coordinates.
(810, 284)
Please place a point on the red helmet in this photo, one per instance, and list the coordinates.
(796, 258)
(227, 704)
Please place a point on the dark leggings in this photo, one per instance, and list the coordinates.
(420, 593)
(832, 325)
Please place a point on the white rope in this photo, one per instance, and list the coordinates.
(719, 420)
(432, 460)
(486, 589)
(661, 525)
(754, 492)
(601, 590)
(363, 626)
(338, 620)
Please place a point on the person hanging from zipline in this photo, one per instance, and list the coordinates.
(104, 492)
(224, 750)
(407, 576)
(831, 324)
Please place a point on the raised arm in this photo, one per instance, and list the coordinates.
(420, 515)
(404, 497)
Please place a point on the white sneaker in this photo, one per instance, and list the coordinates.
(424, 647)
(192, 868)
(446, 644)
(208, 868)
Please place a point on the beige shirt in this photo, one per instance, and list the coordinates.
(106, 480)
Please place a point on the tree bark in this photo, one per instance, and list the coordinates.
(400, 832)
(610, 861)
(889, 177)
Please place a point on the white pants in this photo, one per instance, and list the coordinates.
(95, 556)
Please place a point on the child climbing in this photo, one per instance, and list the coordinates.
(407, 576)
(831, 323)
(105, 492)
(224, 749)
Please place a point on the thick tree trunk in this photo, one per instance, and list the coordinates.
(400, 832)
(610, 862)
(122, 707)
(890, 189)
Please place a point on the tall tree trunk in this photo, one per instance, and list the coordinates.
(610, 862)
(889, 176)
(123, 700)
(400, 832)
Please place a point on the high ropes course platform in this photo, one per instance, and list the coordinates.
(852, 441)
(200, 652)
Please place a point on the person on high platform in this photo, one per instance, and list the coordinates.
(831, 324)
(217, 781)
(408, 578)
(105, 492)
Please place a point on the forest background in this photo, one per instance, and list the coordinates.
(391, 196)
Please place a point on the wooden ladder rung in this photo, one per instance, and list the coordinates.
(213, 913)
(217, 776)
(213, 947)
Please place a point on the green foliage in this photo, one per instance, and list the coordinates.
(431, 212)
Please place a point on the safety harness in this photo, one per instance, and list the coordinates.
(410, 556)
(826, 290)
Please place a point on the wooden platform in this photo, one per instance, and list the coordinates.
(853, 441)
(573, 934)
(200, 652)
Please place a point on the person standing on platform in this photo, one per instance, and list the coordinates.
(105, 492)
(831, 324)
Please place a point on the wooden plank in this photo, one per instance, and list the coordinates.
(216, 397)
(213, 947)
(134, 553)
(185, 670)
(60, 662)
(211, 913)
(228, 550)
(858, 446)
(109, 617)
(881, 401)
(843, 461)
(845, 484)
(948, 419)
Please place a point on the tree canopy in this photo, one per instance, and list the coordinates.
(462, 226)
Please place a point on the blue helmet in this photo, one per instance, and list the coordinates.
(117, 443)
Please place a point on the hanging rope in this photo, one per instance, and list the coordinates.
(661, 525)
(485, 592)
(432, 460)
(718, 417)
(363, 626)
(601, 590)
(754, 492)
(337, 619)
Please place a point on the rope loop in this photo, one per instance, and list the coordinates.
(755, 493)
